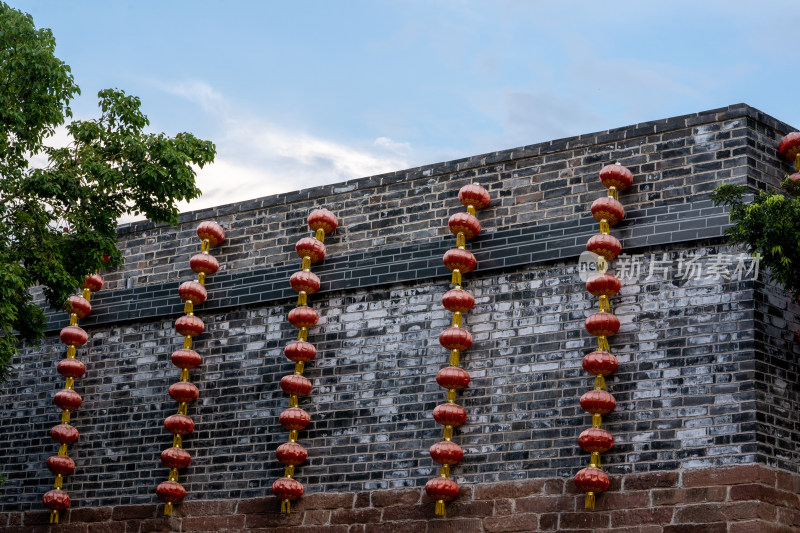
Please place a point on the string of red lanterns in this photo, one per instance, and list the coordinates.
(464, 226)
(608, 211)
(304, 282)
(188, 326)
(67, 399)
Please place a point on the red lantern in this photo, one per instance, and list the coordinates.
(93, 282)
(466, 224)
(790, 146)
(176, 458)
(455, 339)
(311, 248)
(71, 368)
(179, 424)
(78, 305)
(185, 358)
(64, 434)
(322, 219)
(170, 492)
(204, 264)
(295, 385)
(450, 414)
(616, 176)
(56, 500)
(595, 440)
(592, 481)
(291, 453)
(183, 392)
(67, 399)
(608, 209)
(73, 336)
(440, 488)
(458, 259)
(598, 402)
(297, 351)
(189, 326)
(304, 281)
(446, 453)
(600, 363)
(604, 284)
(474, 195)
(458, 300)
(303, 317)
(452, 377)
(212, 232)
(606, 246)
(192, 291)
(602, 324)
(287, 489)
(294, 419)
(60, 465)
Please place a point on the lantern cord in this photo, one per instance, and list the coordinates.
(54, 517)
(439, 511)
(286, 506)
(589, 502)
(168, 509)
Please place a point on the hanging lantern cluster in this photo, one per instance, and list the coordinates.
(188, 326)
(456, 339)
(304, 282)
(608, 211)
(67, 399)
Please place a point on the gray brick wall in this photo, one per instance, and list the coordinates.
(707, 374)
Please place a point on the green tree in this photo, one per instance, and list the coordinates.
(57, 223)
(767, 226)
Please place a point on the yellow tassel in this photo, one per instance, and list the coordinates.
(447, 434)
(613, 193)
(599, 382)
(444, 471)
(302, 298)
(597, 420)
(453, 357)
(293, 435)
(71, 352)
(177, 441)
(187, 342)
(451, 395)
(320, 235)
(59, 482)
(604, 227)
(205, 246)
(188, 308)
(439, 511)
(595, 460)
(302, 334)
(457, 319)
(173, 474)
(54, 517)
(65, 416)
(286, 506)
(182, 408)
(201, 278)
(69, 383)
(87, 295)
(168, 509)
(589, 502)
(457, 277)
(306, 266)
(602, 343)
(602, 264)
(184, 374)
(461, 241)
(288, 471)
(73, 319)
(62, 449)
(604, 303)
(299, 367)
(292, 401)
(471, 210)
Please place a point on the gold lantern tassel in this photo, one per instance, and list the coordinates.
(604, 303)
(604, 227)
(54, 517)
(461, 240)
(439, 511)
(595, 460)
(602, 343)
(599, 382)
(320, 235)
(168, 509)
(456, 278)
(589, 502)
(286, 506)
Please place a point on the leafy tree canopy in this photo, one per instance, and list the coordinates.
(57, 223)
(768, 226)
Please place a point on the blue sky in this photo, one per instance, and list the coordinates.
(302, 93)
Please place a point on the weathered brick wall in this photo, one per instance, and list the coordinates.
(708, 376)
